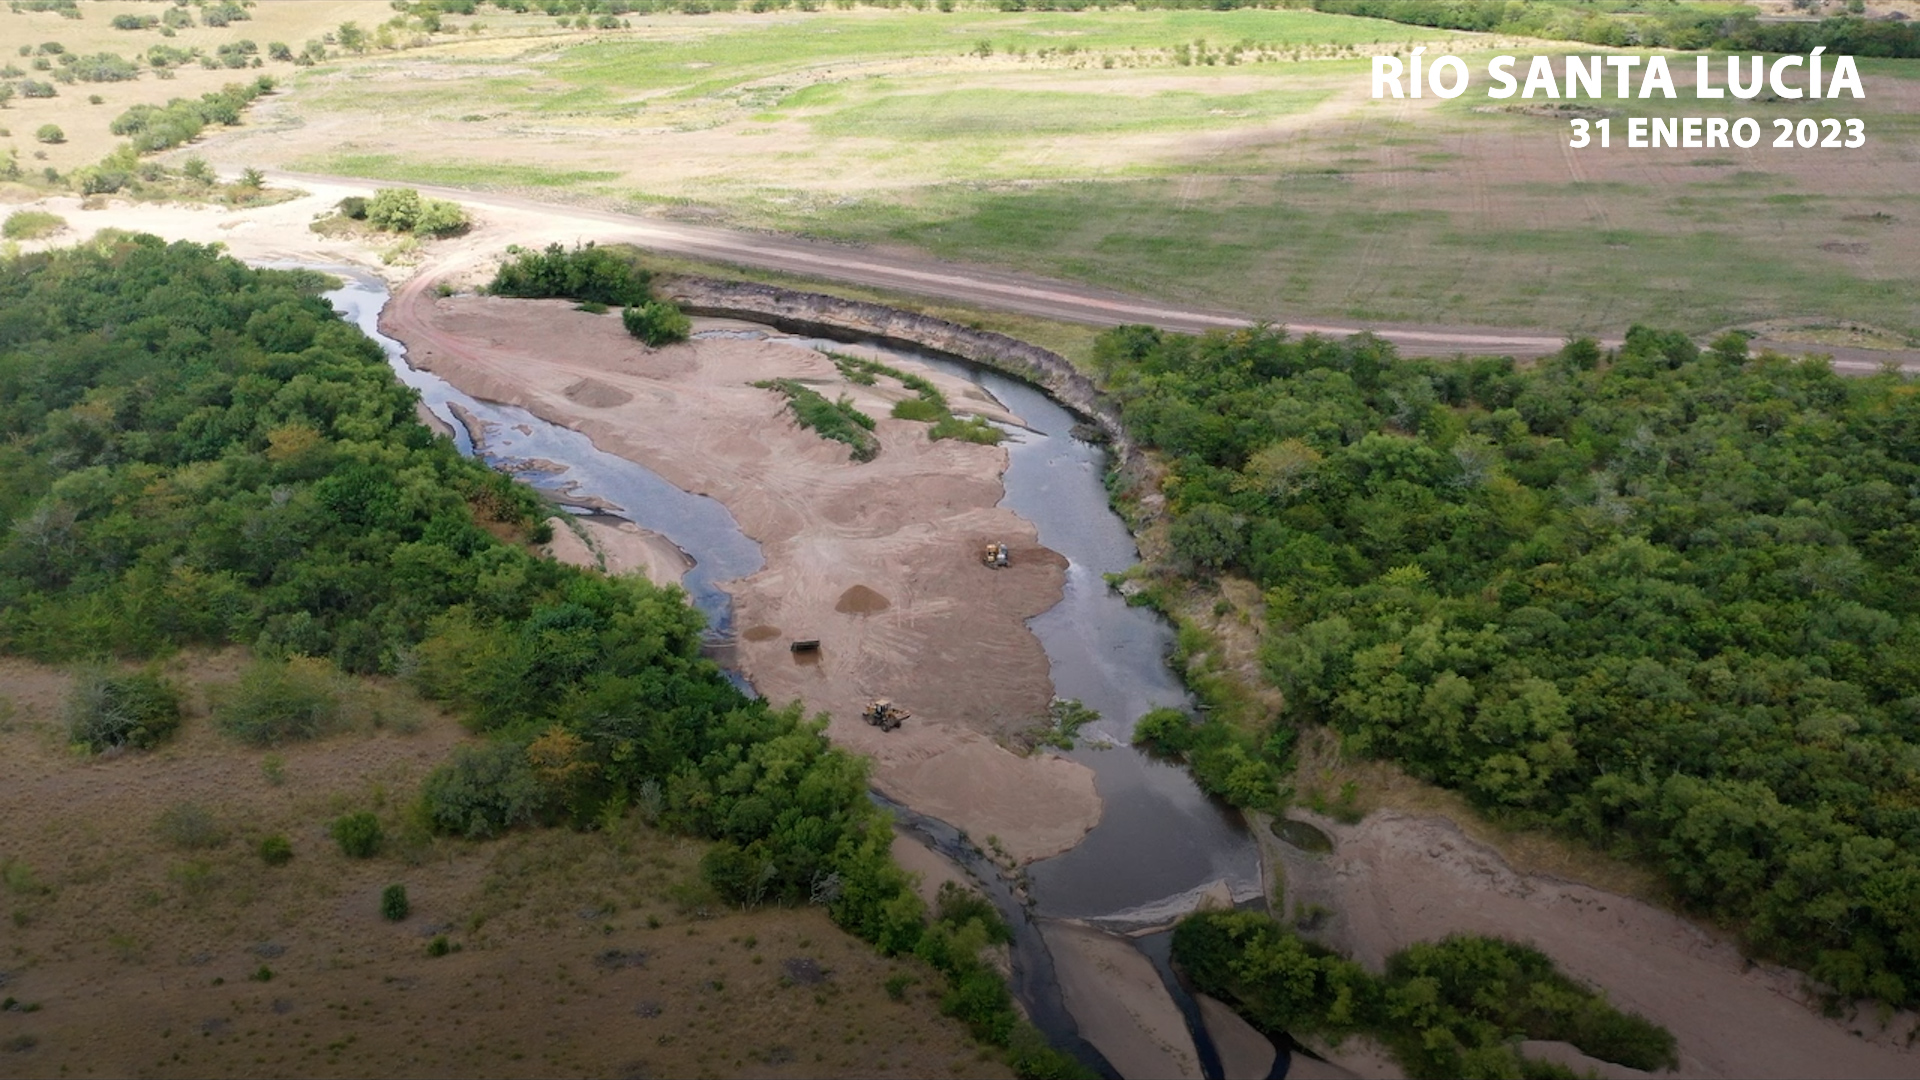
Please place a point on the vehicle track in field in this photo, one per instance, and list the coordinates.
(912, 272)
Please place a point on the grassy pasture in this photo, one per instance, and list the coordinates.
(1225, 158)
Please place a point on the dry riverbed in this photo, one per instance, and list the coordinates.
(877, 560)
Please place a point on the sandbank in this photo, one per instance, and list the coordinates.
(927, 625)
(1119, 1003)
(1245, 1054)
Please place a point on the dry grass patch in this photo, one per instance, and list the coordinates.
(147, 919)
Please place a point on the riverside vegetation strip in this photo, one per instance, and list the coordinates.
(201, 454)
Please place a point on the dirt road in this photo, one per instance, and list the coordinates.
(911, 272)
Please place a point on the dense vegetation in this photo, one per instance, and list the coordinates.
(1664, 600)
(1625, 23)
(192, 452)
(836, 420)
(197, 453)
(586, 273)
(1451, 1008)
(594, 276)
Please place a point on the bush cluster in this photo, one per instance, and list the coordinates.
(359, 834)
(279, 701)
(137, 710)
(583, 273)
(154, 128)
(403, 210)
(927, 404)
(656, 322)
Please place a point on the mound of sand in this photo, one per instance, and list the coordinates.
(596, 395)
(860, 600)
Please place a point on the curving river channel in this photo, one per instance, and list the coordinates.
(1160, 841)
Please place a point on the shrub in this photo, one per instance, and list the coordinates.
(190, 827)
(657, 322)
(393, 903)
(438, 217)
(279, 701)
(973, 429)
(1165, 730)
(439, 946)
(106, 710)
(358, 834)
(276, 850)
(50, 133)
(354, 207)
(403, 210)
(483, 790)
(917, 409)
(33, 88)
(97, 180)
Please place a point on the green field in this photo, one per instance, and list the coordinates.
(1221, 158)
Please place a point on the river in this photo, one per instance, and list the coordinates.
(1160, 841)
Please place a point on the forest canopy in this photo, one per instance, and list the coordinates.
(1661, 599)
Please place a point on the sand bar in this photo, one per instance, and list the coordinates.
(1119, 1003)
(877, 560)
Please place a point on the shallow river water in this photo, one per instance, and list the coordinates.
(1160, 840)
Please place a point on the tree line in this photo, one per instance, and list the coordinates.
(1661, 599)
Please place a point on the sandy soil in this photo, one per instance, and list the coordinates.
(876, 560)
(933, 868)
(1245, 1054)
(618, 547)
(1119, 1003)
(1394, 879)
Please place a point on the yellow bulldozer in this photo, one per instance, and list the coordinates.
(995, 556)
(884, 714)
